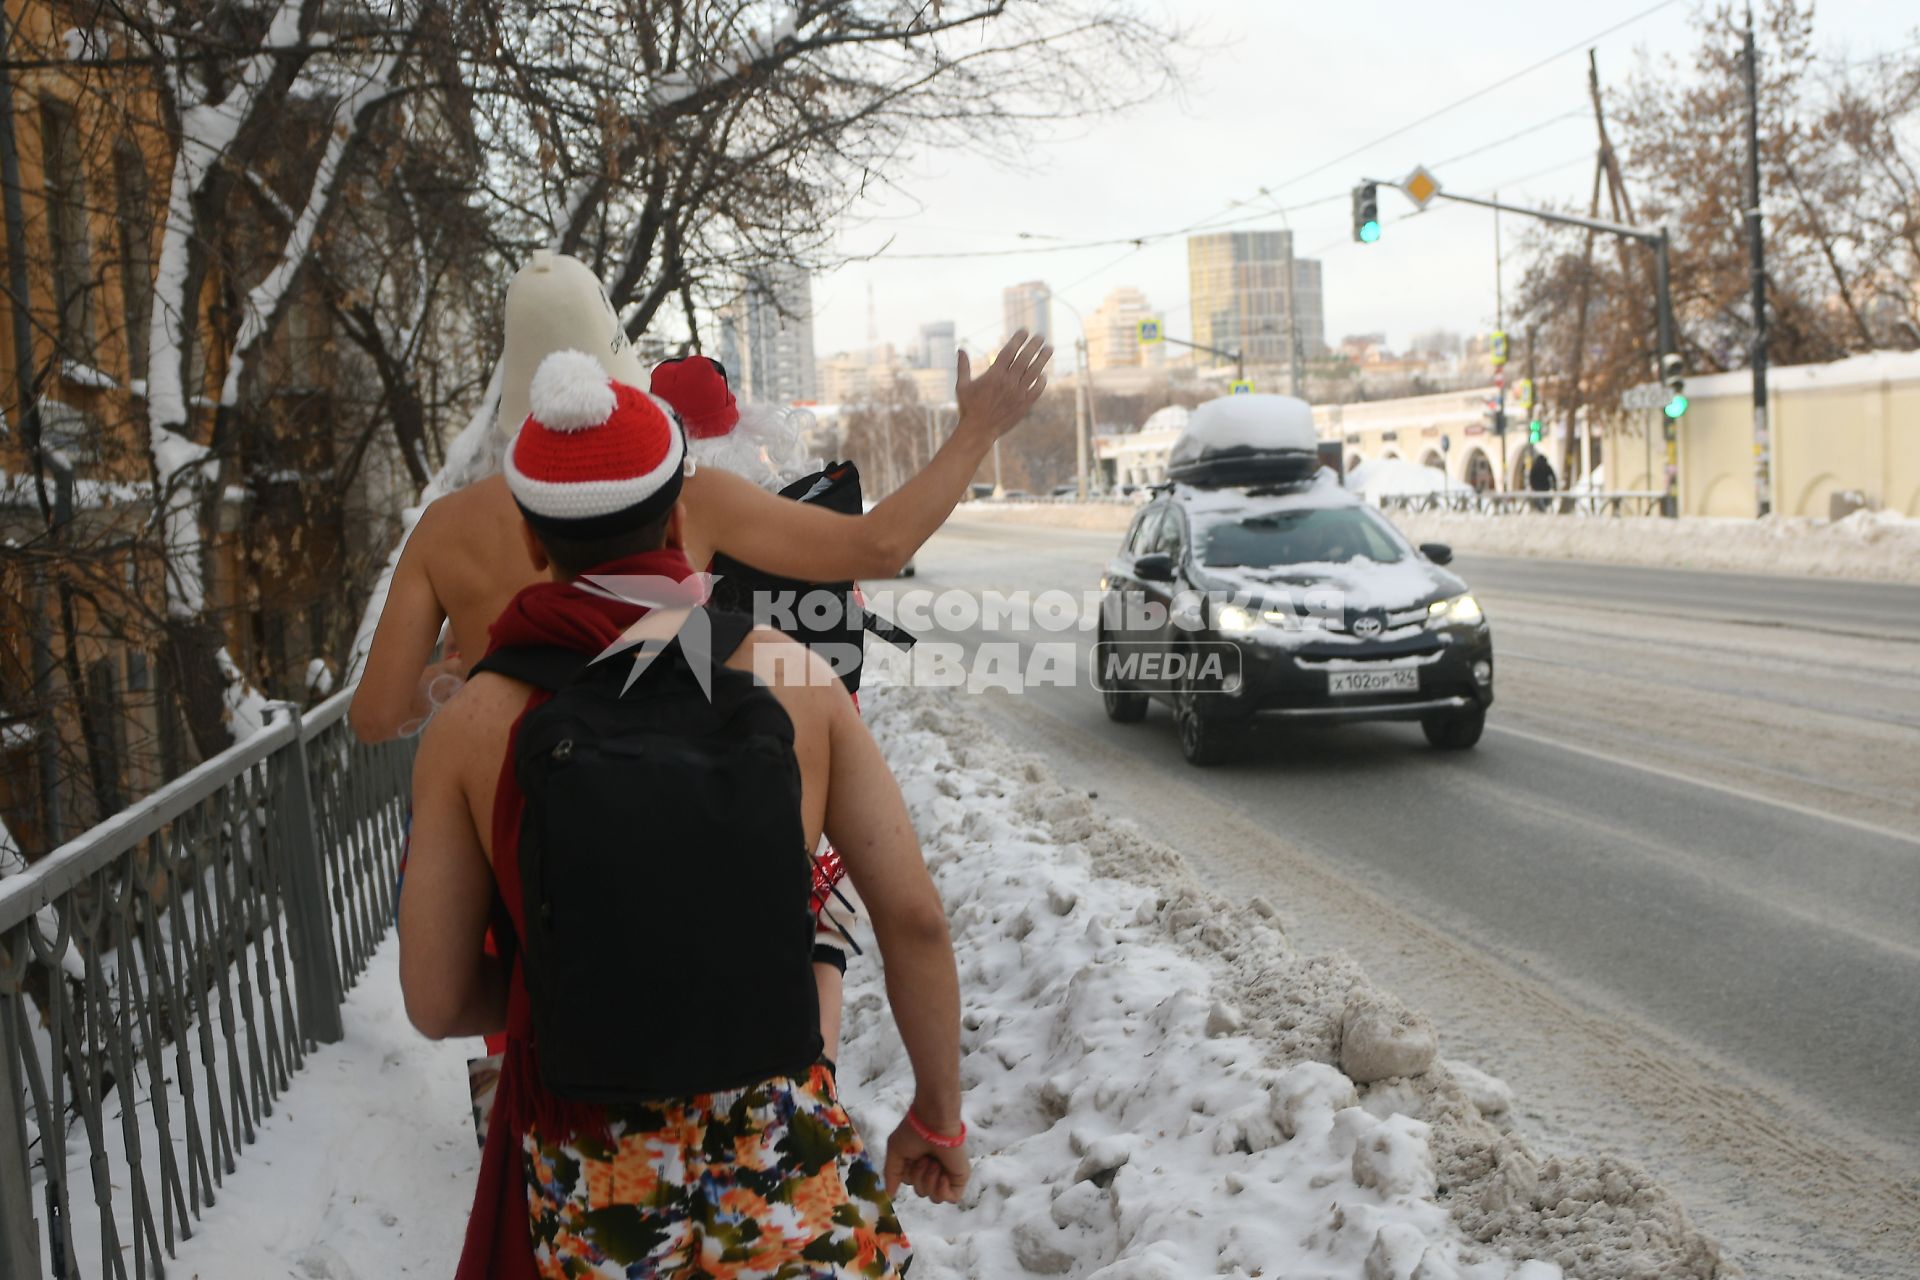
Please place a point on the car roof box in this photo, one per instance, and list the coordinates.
(1246, 440)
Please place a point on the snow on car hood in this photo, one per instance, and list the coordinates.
(1365, 584)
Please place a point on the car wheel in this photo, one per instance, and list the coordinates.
(1455, 731)
(1124, 706)
(1202, 741)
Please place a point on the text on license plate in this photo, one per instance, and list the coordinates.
(1393, 680)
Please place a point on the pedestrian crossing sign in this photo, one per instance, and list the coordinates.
(1240, 387)
(1149, 331)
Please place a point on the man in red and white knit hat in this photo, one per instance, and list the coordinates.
(706, 1175)
(595, 457)
(462, 560)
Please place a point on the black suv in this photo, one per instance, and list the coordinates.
(1297, 602)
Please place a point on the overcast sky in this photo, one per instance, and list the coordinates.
(1280, 89)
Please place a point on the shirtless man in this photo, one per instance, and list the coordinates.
(723, 1145)
(466, 558)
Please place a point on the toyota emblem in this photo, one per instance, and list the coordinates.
(1367, 628)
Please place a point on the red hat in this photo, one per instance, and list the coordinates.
(696, 387)
(595, 457)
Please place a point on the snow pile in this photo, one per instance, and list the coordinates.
(1875, 545)
(1383, 476)
(1159, 1086)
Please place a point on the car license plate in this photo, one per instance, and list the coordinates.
(1392, 680)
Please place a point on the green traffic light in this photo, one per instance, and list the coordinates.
(1533, 433)
(1676, 406)
(1369, 231)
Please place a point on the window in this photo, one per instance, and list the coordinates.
(66, 194)
(133, 209)
(1311, 535)
(1172, 536)
(1140, 537)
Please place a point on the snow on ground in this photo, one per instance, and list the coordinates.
(1159, 1087)
(365, 1170)
(1876, 545)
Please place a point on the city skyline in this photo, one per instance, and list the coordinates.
(949, 239)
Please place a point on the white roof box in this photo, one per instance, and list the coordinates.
(1246, 440)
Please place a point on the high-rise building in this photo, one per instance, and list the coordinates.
(1029, 306)
(766, 336)
(936, 347)
(1113, 332)
(1237, 283)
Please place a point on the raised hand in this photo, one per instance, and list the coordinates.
(998, 399)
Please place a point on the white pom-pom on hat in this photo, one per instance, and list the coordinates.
(570, 392)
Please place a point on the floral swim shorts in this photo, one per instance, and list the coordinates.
(765, 1183)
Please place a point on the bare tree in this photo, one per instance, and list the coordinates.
(1838, 169)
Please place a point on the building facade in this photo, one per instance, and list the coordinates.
(1237, 283)
(936, 347)
(1028, 306)
(766, 336)
(1113, 332)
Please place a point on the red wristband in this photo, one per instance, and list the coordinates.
(946, 1142)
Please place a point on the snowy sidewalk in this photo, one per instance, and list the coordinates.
(1150, 1088)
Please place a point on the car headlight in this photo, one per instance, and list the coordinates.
(1232, 617)
(1462, 610)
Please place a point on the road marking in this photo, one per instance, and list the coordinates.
(1741, 793)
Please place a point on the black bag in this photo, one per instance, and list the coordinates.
(664, 873)
(823, 616)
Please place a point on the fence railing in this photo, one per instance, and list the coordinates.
(164, 975)
(1618, 502)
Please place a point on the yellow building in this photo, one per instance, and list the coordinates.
(1852, 426)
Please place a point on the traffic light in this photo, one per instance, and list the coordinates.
(1366, 212)
(1676, 382)
(1533, 432)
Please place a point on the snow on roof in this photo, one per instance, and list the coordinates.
(1382, 476)
(1172, 417)
(1250, 421)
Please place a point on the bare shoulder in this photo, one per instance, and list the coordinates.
(457, 514)
(800, 678)
(482, 711)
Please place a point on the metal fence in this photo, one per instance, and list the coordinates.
(1621, 502)
(163, 975)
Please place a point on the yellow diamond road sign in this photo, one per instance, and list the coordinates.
(1421, 185)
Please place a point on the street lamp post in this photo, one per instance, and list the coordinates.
(1082, 399)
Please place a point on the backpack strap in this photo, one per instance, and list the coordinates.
(553, 668)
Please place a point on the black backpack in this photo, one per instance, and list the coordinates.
(664, 872)
(834, 624)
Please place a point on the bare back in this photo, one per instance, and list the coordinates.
(475, 558)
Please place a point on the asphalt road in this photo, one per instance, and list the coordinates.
(1694, 813)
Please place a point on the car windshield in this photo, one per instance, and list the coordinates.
(1312, 535)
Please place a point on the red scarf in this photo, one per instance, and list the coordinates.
(499, 1242)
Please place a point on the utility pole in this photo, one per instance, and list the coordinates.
(1756, 252)
(1500, 374)
(1080, 399)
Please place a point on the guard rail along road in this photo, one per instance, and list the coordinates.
(164, 975)
(1622, 502)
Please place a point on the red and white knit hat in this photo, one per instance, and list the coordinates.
(595, 457)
